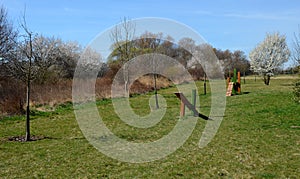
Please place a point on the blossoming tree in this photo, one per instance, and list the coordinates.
(269, 55)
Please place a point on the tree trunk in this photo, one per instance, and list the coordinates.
(204, 85)
(27, 137)
(267, 79)
(126, 78)
(155, 79)
(155, 91)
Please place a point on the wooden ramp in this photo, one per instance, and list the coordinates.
(185, 102)
(229, 89)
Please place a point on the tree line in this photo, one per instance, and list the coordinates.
(53, 59)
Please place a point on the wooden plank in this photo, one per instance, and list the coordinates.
(229, 89)
(190, 106)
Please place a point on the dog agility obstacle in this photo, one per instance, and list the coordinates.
(185, 102)
(234, 84)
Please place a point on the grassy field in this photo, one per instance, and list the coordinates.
(258, 138)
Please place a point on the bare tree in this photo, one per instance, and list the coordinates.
(122, 36)
(27, 50)
(31, 59)
(187, 48)
(296, 48)
(45, 53)
(8, 37)
(152, 42)
(202, 62)
(192, 57)
(241, 63)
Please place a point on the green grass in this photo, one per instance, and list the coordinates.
(258, 138)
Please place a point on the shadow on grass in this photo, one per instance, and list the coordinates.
(32, 138)
(245, 92)
(242, 93)
(35, 138)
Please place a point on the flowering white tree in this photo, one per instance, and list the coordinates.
(90, 62)
(269, 55)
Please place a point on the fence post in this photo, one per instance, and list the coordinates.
(239, 82)
(182, 108)
(193, 100)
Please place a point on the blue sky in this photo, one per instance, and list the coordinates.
(225, 24)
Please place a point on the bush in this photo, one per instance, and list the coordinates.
(296, 91)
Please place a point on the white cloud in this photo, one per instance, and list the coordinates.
(290, 14)
(265, 16)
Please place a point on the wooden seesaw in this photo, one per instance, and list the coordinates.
(185, 102)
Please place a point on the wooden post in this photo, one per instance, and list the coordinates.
(239, 82)
(182, 108)
(193, 101)
(184, 102)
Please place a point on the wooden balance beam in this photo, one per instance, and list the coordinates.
(185, 102)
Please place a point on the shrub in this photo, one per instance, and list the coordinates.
(296, 91)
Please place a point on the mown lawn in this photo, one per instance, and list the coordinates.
(259, 138)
